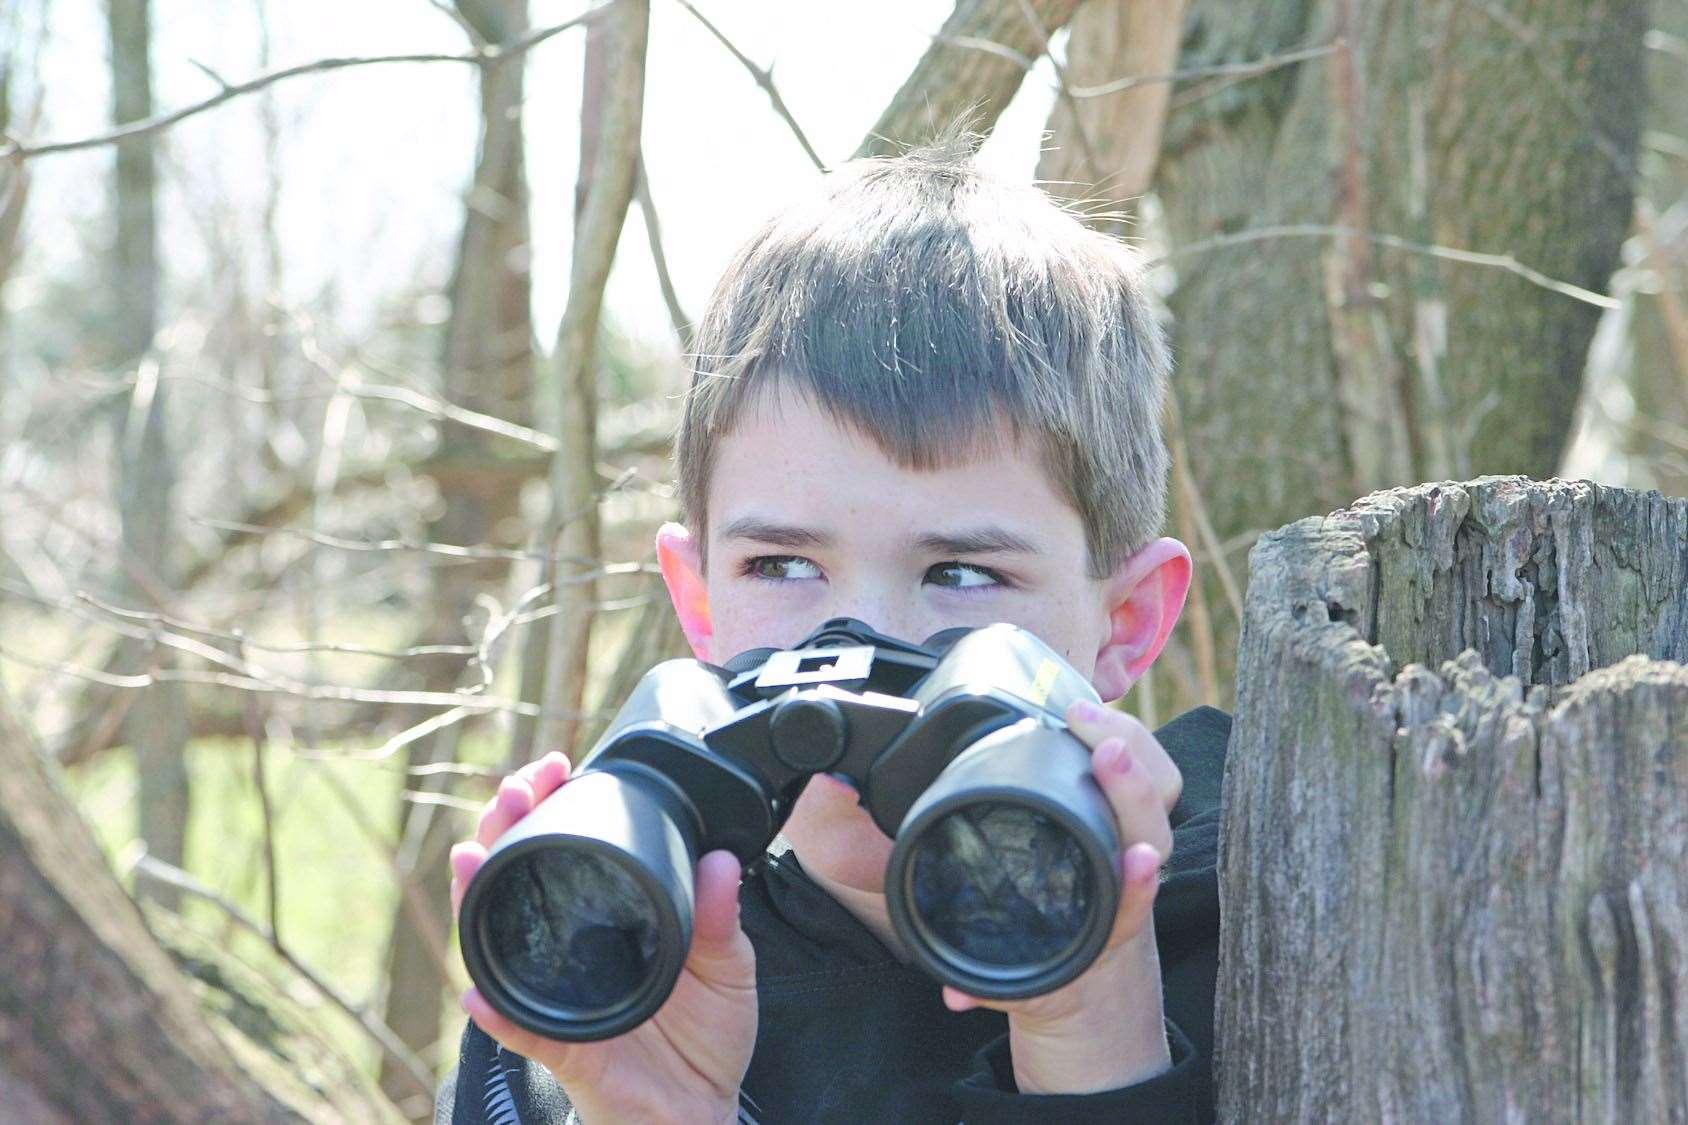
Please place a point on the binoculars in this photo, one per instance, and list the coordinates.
(1002, 880)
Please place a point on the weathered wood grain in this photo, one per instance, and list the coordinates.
(1456, 812)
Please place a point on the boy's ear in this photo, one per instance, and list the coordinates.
(1144, 596)
(682, 572)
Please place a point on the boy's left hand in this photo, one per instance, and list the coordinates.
(1106, 1029)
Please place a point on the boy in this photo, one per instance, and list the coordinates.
(922, 399)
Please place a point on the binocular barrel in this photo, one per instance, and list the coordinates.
(578, 923)
(1002, 880)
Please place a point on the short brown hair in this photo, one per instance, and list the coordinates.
(925, 303)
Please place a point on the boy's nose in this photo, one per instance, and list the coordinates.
(879, 614)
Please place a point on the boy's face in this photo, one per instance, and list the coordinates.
(809, 520)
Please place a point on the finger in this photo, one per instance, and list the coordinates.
(1132, 795)
(958, 1001)
(1095, 724)
(1139, 884)
(545, 774)
(466, 859)
(513, 801)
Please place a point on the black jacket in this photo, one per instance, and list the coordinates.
(847, 1033)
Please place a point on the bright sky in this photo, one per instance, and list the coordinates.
(373, 161)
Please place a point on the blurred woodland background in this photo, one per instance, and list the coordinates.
(340, 347)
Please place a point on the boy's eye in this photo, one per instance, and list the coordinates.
(781, 567)
(962, 576)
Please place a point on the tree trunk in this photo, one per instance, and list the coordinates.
(488, 364)
(974, 66)
(573, 533)
(1313, 368)
(156, 723)
(1657, 433)
(1452, 885)
(1104, 147)
(95, 1022)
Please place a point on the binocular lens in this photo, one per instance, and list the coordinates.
(572, 932)
(1001, 884)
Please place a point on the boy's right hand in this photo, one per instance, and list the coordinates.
(686, 1062)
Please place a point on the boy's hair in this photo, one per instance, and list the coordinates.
(931, 305)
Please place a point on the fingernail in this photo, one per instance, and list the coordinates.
(1106, 756)
(1141, 864)
(1124, 761)
(1087, 711)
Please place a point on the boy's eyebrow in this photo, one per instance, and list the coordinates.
(779, 534)
(977, 541)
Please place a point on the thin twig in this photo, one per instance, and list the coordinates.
(653, 234)
(447, 550)
(1201, 620)
(485, 56)
(1198, 512)
(317, 692)
(272, 891)
(1262, 65)
(157, 870)
(444, 800)
(434, 407)
(413, 733)
(1448, 253)
(457, 769)
(764, 78)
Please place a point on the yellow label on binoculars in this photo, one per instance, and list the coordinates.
(1043, 681)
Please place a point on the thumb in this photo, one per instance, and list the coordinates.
(719, 946)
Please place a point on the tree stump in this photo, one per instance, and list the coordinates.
(1456, 812)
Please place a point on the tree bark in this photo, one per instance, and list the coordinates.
(1452, 885)
(156, 722)
(95, 1022)
(488, 364)
(973, 68)
(573, 533)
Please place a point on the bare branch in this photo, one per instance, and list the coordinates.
(653, 233)
(764, 78)
(1448, 253)
(445, 550)
(336, 693)
(430, 405)
(485, 56)
(445, 800)
(393, 745)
